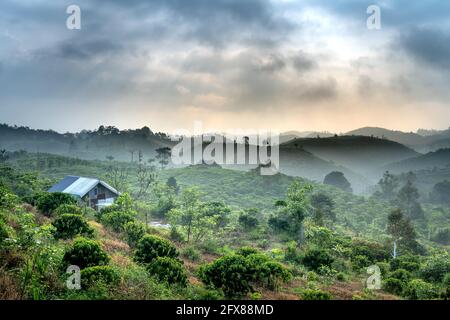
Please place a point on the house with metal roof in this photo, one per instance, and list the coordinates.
(94, 192)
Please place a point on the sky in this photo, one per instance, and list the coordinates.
(233, 64)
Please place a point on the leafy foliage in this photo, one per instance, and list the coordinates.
(85, 253)
(168, 270)
(49, 202)
(151, 247)
(68, 226)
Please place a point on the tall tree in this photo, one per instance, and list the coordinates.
(163, 156)
(407, 200)
(388, 185)
(323, 207)
(402, 232)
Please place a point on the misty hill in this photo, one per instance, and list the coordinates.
(91, 145)
(291, 135)
(422, 141)
(431, 160)
(406, 138)
(362, 154)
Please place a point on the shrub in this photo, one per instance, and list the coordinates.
(246, 251)
(436, 267)
(394, 286)
(248, 221)
(168, 270)
(418, 289)
(151, 247)
(49, 202)
(407, 262)
(446, 282)
(134, 231)
(98, 275)
(230, 273)
(68, 209)
(68, 226)
(401, 274)
(7, 199)
(315, 294)
(85, 253)
(117, 219)
(315, 258)
(191, 253)
(235, 274)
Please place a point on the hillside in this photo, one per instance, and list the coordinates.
(431, 160)
(97, 144)
(364, 155)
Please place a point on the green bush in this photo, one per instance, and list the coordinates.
(394, 286)
(151, 247)
(85, 253)
(191, 253)
(134, 231)
(248, 221)
(407, 262)
(446, 282)
(47, 202)
(68, 209)
(315, 258)
(436, 267)
(315, 294)
(68, 226)
(418, 289)
(401, 274)
(99, 275)
(236, 274)
(230, 273)
(7, 199)
(168, 270)
(246, 251)
(117, 219)
(3, 231)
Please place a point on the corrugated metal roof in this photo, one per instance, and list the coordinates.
(79, 186)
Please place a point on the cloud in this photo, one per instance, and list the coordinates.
(430, 47)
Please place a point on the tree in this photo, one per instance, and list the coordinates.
(172, 183)
(407, 200)
(146, 176)
(441, 193)
(402, 232)
(117, 176)
(293, 211)
(388, 185)
(48, 202)
(323, 206)
(194, 221)
(163, 156)
(338, 180)
(4, 156)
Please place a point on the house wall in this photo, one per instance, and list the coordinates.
(102, 193)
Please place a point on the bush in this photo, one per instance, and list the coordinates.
(229, 273)
(315, 294)
(418, 289)
(246, 251)
(436, 267)
(235, 274)
(117, 219)
(315, 258)
(191, 253)
(7, 199)
(407, 262)
(151, 247)
(49, 202)
(98, 275)
(85, 253)
(68, 209)
(168, 270)
(248, 221)
(134, 231)
(394, 286)
(446, 282)
(68, 226)
(402, 275)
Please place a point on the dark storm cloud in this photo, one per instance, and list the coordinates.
(427, 46)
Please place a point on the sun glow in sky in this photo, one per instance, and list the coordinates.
(260, 64)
